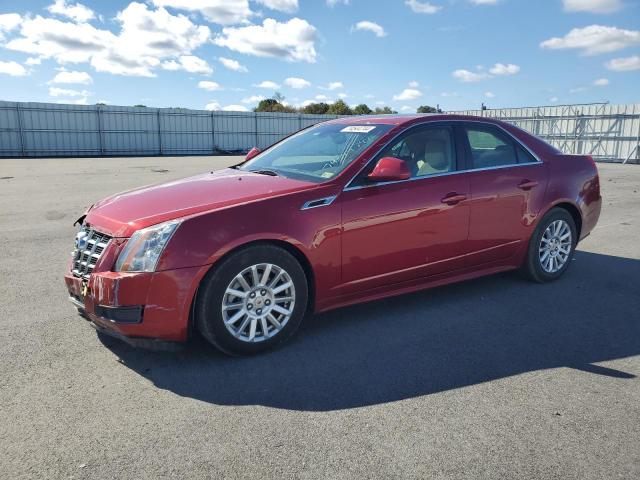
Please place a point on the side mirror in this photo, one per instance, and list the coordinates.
(389, 169)
(252, 153)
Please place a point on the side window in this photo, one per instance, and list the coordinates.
(524, 156)
(490, 148)
(427, 152)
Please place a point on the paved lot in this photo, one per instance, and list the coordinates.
(493, 378)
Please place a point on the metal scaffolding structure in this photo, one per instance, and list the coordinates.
(607, 132)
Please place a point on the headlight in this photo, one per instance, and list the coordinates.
(142, 251)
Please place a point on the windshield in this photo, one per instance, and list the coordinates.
(318, 153)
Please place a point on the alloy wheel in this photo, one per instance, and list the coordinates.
(555, 246)
(258, 302)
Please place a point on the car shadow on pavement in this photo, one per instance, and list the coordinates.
(422, 343)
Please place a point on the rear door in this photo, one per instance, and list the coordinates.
(507, 185)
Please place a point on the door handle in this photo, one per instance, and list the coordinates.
(527, 184)
(453, 198)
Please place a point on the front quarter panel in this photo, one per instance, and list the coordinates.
(203, 239)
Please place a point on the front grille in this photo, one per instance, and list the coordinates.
(89, 247)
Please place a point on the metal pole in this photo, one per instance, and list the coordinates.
(100, 142)
(255, 116)
(213, 132)
(20, 132)
(159, 131)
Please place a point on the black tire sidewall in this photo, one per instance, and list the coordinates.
(208, 314)
(533, 267)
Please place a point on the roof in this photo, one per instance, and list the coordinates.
(406, 119)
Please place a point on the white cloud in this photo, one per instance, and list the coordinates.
(33, 61)
(322, 98)
(553, 99)
(498, 69)
(208, 85)
(624, 64)
(212, 106)
(293, 40)
(193, 64)
(66, 42)
(592, 6)
(594, 39)
(224, 12)
(369, 96)
(286, 6)
(368, 26)
(268, 84)
(332, 86)
(408, 94)
(342, 95)
(485, 2)
(233, 65)
(414, 84)
(379, 102)
(13, 69)
(298, 83)
(468, 76)
(489, 94)
(8, 22)
(77, 101)
(333, 3)
(77, 12)
(450, 94)
(502, 69)
(146, 38)
(601, 82)
(66, 92)
(253, 99)
(578, 90)
(422, 7)
(235, 108)
(82, 78)
(406, 108)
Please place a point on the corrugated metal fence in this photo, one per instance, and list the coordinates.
(608, 132)
(53, 130)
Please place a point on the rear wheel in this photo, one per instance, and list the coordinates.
(254, 300)
(551, 247)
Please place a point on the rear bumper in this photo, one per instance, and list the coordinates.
(142, 309)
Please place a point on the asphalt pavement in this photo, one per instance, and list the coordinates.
(491, 378)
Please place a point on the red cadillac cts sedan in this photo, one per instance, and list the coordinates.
(346, 211)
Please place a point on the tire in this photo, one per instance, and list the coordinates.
(236, 324)
(540, 268)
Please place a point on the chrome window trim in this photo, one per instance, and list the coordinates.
(349, 187)
(325, 202)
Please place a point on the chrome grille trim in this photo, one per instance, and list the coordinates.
(86, 258)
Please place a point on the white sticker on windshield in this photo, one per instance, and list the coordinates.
(357, 129)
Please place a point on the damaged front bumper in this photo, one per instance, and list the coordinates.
(149, 310)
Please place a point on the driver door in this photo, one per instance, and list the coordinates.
(399, 231)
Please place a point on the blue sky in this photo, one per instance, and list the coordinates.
(226, 54)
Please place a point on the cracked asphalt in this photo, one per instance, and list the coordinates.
(492, 378)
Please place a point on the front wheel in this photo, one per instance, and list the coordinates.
(551, 247)
(254, 300)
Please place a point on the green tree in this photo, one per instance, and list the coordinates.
(340, 108)
(316, 108)
(362, 109)
(273, 105)
(384, 111)
(428, 109)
